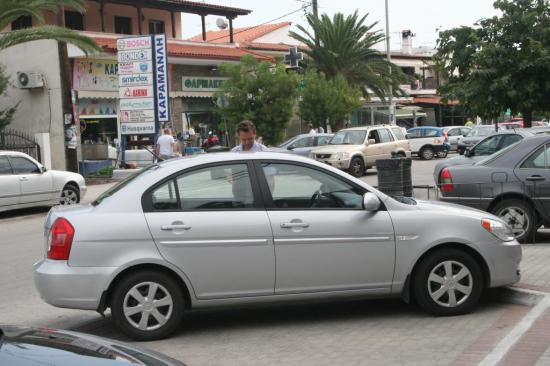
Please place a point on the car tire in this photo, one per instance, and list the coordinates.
(460, 151)
(517, 213)
(149, 321)
(357, 167)
(434, 289)
(70, 195)
(427, 153)
(442, 154)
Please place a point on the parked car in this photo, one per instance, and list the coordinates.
(26, 346)
(233, 229)
(357, 149)
(511, 125)
(484, 148)
(455, 133)
(428, 142)
(477, 134)
(27, 183)
(303, 144)
(513, 184)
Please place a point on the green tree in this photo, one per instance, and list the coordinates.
(10, 10)
(345, 46)
(6, 115)
(261, 92)
(330, 100)
(501, 62)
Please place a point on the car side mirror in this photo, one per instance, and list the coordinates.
(371, 202)
(468, 152)
(290, 147)
(371, 141)
(43, 169)
(406, 136)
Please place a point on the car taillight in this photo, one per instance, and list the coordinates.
(446, 180)
(60, 239)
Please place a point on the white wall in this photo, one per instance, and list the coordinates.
(40, 109)
(278, 36)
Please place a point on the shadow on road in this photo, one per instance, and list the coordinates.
(23, 212)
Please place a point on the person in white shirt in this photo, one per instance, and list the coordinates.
(312, 130)
(166, 146)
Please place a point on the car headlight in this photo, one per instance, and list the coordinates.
(341, 155)
(498, 229)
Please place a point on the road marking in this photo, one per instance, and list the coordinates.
(506, 343)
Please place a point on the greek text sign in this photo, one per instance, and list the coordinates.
(161, 76)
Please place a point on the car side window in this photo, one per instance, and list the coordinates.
(431, 132)
(488, 146)
(414, 133)
(165, 197)
(385, 135)
(539, 159)
(302, 188)
(5, 167)
(373, 135)
(465, 131)
(216, 187)
(453, 132)
(323, 140)
(303, 142)
(398, 133)
(23, 166)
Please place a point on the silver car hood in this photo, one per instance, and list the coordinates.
(454, 209)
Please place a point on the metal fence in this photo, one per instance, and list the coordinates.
(19, 141)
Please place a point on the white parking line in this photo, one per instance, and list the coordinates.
(506, 343)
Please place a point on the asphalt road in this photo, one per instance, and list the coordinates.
(350, 333)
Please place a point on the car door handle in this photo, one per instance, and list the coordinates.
(175, 227)
(535, 178)
(290, 225)
(23, 179)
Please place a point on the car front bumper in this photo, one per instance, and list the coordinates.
(71, 287)
(337, 163)
(505, 259)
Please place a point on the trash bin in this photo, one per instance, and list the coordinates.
(218, 148)
(394, 176)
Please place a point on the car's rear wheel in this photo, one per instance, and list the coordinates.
(70, 195)
(357, 167)
(427, 153)
(447, 282)
(442, 154)
(519, 215)
(147, 305)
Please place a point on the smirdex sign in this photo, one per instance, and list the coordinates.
(161, 73)
(143, 84)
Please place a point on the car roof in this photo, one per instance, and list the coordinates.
(365, 128)
(514, 156)
(13, 153)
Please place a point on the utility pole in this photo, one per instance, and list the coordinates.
(391, 109)
(315, 8)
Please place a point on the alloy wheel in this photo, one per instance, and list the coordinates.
(516, 218)
(69, 197)
(450, 283)
(148, 306)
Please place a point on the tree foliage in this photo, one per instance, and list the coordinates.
(329, 100)
(261, 92)
(345, 46)
(10, 10)
(6, 115)
(501, 62)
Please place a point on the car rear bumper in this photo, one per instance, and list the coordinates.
(71, 287)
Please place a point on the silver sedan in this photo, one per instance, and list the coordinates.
(234, 229)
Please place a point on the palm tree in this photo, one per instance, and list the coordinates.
(345, 45)
(10, 10)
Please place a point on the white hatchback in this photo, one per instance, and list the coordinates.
(24, 182)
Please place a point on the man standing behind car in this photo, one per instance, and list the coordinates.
(247, 136)
(166, 146)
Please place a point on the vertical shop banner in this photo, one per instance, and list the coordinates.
(161, 78)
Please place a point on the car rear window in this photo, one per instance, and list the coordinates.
(499, 153)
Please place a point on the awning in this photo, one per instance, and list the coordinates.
(191, 94)
(403, 113)
(87, 94)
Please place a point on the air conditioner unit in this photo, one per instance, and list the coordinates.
(29, 80)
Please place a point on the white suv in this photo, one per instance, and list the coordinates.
(357, 149)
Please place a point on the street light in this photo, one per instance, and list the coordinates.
(391, 111)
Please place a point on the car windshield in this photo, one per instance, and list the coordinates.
(287, 142)
(348, 138)
(501, 152)
(123, 183)
(481, 132)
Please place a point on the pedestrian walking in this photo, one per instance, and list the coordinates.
(166, 146)
(311, 129)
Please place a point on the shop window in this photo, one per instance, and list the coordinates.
(123, 25)
(74, 20)
(21, 23)
(156, 27)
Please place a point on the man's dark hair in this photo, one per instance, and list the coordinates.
(246, 126)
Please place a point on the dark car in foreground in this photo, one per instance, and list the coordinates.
(484, 148)
(25, 346)
(513, 184)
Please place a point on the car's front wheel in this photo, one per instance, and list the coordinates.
(70, 195)
(447, 282)
(357, 167)
(147, 305)
(519, 215)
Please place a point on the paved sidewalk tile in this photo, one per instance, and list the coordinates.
(535, 267)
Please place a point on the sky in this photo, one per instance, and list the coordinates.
(423, 17)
